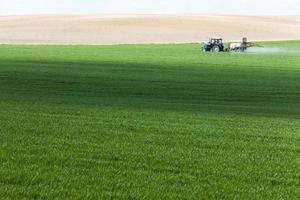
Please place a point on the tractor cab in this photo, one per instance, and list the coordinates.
(216, 41)
(214, 45)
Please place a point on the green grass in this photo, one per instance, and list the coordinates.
(148, 122)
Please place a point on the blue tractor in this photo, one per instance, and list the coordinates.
(214, 45)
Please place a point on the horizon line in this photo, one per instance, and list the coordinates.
(155, 14)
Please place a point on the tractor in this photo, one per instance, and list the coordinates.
(214, 45)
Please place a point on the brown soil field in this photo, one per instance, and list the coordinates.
(144, 29)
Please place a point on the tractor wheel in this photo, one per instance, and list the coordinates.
(215, 49)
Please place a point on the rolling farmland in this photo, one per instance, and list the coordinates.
(148, 122)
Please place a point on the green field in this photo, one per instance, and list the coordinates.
(148, 122)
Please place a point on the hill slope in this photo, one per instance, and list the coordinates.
(127, 29)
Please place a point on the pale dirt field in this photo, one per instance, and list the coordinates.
(143, 29)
